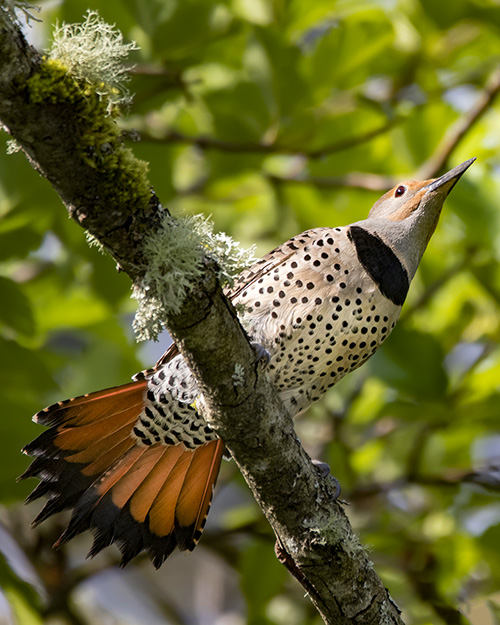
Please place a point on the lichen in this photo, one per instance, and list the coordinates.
(12, 146)
(11, 6)
(173, 262)
(93, 242)
(238, 376)
(329, 532)
(386, 612)
(93, 51)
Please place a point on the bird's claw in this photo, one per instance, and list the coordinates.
(322, 467)
(324, 470)
(262, 356)
(336, 488)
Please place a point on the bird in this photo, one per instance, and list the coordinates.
(137, 464)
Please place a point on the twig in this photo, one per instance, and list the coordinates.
(354, 141)
(213, 143)
(366, 181)
(460, 129)
(422, 570)
(417, 451)
(451, 479)
(355, 180)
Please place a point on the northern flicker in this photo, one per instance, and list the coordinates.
(137, 463)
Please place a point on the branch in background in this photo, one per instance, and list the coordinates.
(55, 577)
(439, 160)
(212, 143)
(422, 569)
(431, 168)
(354, 141)
(417, 451)
(364, 181)
(488, 478)
(355, 180)
(105, 190)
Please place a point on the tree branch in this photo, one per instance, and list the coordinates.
(422, 570)
(438, 161)
(67, 137)
(354, 180)
(431, 168)
(213, 143)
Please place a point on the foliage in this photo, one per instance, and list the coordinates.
(258, 113)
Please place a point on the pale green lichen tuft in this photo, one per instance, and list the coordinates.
(230, 256)
(174, 255)
(93, 242)
(12, 146)
(93, 52)
(238, 376)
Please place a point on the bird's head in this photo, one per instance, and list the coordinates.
(406, 216)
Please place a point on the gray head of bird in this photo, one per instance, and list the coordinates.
(406, 216)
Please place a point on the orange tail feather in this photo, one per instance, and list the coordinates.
(143, 498)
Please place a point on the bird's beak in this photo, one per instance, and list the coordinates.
(452, 176)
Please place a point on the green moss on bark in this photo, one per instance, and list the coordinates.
(98, 138)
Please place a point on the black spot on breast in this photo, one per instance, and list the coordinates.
(381, 264)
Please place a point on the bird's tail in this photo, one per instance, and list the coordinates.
(151, 498)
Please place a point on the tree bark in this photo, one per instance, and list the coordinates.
(105, 190)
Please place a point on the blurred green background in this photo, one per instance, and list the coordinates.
(257, 112)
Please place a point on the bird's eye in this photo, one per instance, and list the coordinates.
(399, 191)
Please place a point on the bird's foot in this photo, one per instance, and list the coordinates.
(262, 356)
(322, 467)
(324, 470)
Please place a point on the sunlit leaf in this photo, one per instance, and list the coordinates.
(23, 600)
(15, 308)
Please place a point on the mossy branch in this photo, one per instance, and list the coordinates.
(64, 127)
(69, 134)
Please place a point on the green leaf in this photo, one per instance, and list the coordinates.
(18, 242)
(412, 362)
(262, 576)
(188, 29)
(149, 14)
(15, 308)
(23, 599)
(18, 429)
(22, 368)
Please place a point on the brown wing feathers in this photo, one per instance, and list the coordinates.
(143, 498)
